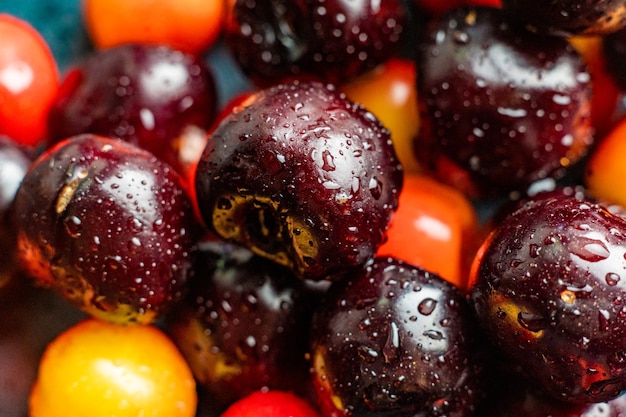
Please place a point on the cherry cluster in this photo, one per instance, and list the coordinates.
(274, 240)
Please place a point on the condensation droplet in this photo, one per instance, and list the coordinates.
(427, 306)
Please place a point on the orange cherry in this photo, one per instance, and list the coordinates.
(435, 227)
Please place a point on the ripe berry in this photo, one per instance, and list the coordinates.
(393, 339)
(270, 404)
(29, 81)
(501, 107)
(244, 324)
(107, 225)
(147, 95)
(302, 176)
(548, 289)
(333, 40)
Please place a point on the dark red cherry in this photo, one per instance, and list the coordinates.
(549, 290)
(302, 176)
(244, 325)
(510, 395)
(394, 340)
(569, 17)
(109, 226)
(334, 40)
(150, 96)
(501, 107)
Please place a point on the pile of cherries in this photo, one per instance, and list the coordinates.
(256, 236)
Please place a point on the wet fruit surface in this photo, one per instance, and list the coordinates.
(302, 176)
(245, 325)
(394, 340)
(108, 225)
(334, 40)
(145, 94)
(549, 290)
(500, 107)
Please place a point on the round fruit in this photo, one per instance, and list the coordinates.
(108, 225)
(98, 369)
(270, 404)
(435, 227)
(244, 324)
(393, 339)
(29, 81)
(334, 40)
(302, 176)
(150, 96)
(192, 26)
(501, 107)
(548, 289)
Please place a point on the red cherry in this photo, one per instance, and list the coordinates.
(270, 404)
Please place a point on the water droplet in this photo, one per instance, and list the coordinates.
(427, 306)
(612, 278)
(391, 348)
(533, 250)
(604, 320)
(433, 334)
(591, 250)
(73, 226)
(328, 162)
(460, 37)
(376, 187)
(531, 322)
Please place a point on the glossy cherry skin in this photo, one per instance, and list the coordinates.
(302, 176)
(334, 40)
(395, 340)
(569, 17)
(510, 395)
(108, 226)
(548, 289)
(148, 95)
(244, 325)
(500, 107)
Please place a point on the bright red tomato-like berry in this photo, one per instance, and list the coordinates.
(435, 227)
(29, 81)
(108, 226)
(271, 404)
(500, 106)
(152, 96)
